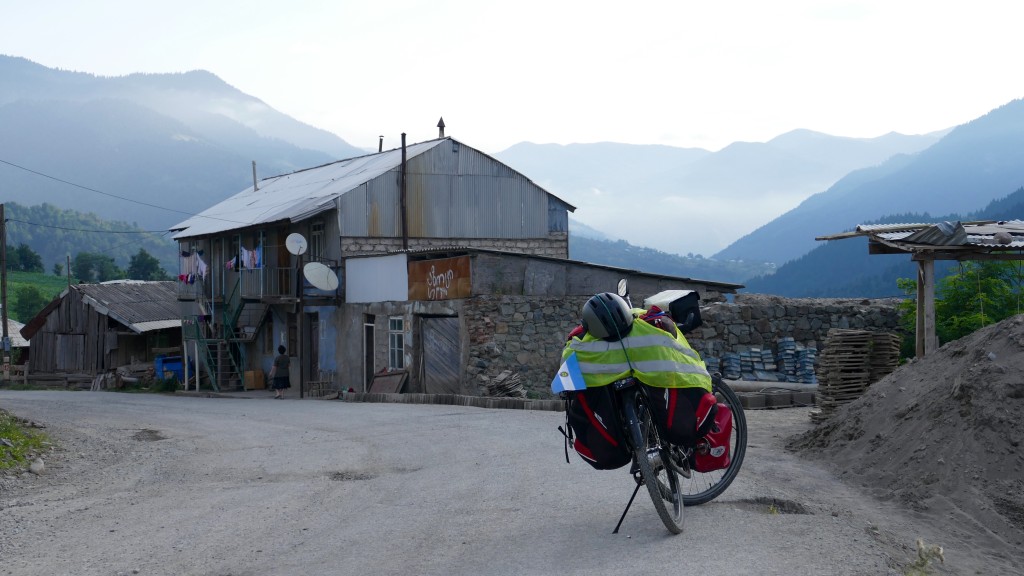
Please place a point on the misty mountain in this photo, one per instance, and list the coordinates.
(578, 229)
(973, 164)
(712, 197)
(843, 268)
(622, 254)
(172, 143)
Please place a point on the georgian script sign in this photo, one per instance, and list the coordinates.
(444, 279)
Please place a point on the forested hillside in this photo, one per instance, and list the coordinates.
(57, 234)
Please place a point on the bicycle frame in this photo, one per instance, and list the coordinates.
(649, 454)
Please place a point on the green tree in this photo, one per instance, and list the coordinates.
(58, 269)
(979, 294)
(29, 301)
(24, 259)
(144, 266)
(89, 267)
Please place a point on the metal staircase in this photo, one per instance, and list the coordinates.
(221, 352)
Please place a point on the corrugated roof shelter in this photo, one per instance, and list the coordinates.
(93, 328)
(928, 242)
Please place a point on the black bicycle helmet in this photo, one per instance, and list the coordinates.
(607, 316)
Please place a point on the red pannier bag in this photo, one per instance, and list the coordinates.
(712, 452)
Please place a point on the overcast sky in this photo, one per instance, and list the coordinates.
(681, 73)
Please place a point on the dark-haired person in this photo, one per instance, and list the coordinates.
(279, 373)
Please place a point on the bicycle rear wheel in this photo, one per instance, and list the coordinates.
(662, 481)
(703, 487)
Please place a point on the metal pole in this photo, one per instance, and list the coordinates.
(3, 291)
(405, 216)
(298, 277)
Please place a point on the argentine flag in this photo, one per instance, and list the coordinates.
(569, 376)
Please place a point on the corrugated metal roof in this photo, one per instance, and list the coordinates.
(302, 194)
(14, 333)
(140, 306)
(890, 227)
(982, 234)
(141, 327)
(296, 195)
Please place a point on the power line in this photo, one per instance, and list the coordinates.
(92, 189)
(88, 230)
(54, 178)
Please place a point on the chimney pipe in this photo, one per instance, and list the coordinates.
(380, 144)
(440, 128)
(255, 186)
(405, 215)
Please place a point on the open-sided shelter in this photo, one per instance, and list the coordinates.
(926, 243)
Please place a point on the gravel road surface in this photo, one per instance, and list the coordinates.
(173, 485)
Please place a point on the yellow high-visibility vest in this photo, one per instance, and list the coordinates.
(650, 354)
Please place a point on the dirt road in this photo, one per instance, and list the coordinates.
(154, 485)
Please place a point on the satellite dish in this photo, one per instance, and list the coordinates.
(320, 276)
(296, 243)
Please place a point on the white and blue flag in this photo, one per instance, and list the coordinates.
(569, 376)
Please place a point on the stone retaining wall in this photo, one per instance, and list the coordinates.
(760, 321)
(526, 334)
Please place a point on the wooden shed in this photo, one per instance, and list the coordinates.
(94, 328)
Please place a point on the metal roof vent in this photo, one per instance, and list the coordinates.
(440, 128)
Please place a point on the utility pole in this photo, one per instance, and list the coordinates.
(3, 291)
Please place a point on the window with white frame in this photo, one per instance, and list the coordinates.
(316, 241)
(396, 343)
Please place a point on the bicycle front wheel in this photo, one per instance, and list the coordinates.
(662, 481)
(703, 487)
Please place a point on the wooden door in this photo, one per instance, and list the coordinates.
(441, 355)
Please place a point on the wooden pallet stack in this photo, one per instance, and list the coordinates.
(844, 370)
(885, 354)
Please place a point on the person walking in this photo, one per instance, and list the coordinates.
(279, 373)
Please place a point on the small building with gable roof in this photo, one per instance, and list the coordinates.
(91, 329)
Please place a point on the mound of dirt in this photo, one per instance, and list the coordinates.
(942, 435)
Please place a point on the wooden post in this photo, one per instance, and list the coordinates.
(926, 339)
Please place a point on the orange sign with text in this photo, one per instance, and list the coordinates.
(444, 279)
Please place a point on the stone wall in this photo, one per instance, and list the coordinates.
(527, 334)
(522, 334)
(556, 245)
(759, 321)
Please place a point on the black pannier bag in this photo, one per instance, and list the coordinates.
(681, 414)
(595, 433)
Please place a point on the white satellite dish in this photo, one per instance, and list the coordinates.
(296, 243)
(320, 276)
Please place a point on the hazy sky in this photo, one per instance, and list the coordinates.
(681, 73)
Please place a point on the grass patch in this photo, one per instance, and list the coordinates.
(22, 443)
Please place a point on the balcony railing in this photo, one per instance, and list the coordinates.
(265, 282)
(190, 290)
